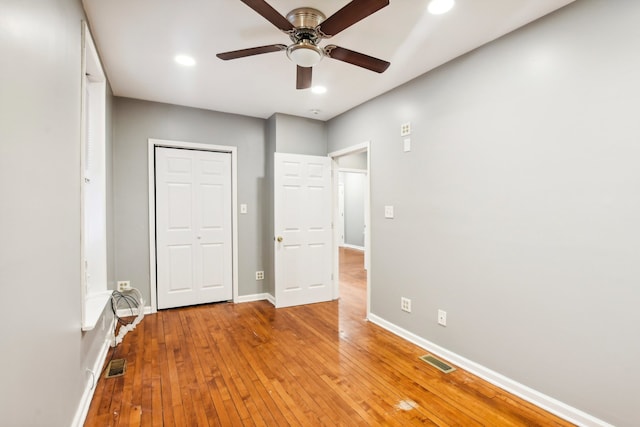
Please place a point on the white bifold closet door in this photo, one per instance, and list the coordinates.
(193, 227)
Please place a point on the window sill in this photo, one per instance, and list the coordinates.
(94, 305)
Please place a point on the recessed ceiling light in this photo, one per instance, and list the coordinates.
(319, 89)
(185, 60)
(438, 7)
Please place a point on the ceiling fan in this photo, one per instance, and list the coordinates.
(306, 27)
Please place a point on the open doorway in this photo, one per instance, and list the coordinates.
(351, 221)
(353, 285)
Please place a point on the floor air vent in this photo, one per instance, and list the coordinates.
(437, 363)
(116, 368)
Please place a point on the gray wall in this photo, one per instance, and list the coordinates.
(43, 348)
(298, 135)
(354, 161)
(517, 208)
(353, 207)
(135, 122)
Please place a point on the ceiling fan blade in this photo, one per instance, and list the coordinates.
(303, 77)
(349, 15)
(234, 54)
(356, 58)
(269, 13)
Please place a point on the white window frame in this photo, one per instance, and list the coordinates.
(93, 207)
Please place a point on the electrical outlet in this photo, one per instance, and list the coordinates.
(442, 317)
(405, 129)
(405, 304)
(259, 275)
(388, 212)
(124, 285)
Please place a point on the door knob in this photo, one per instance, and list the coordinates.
(279, 239)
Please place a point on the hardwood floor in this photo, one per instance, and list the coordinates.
(322, 364)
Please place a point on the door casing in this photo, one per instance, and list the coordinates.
(152, 143)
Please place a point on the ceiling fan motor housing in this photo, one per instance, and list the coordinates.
(305, 17)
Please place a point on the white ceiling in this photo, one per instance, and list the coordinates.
(138, 39)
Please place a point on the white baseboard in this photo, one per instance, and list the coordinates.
(90, 387)
(125, 312)
(250, 298)
(255, 297)
(541, 400)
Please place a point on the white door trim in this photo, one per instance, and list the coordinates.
(153, 143)
(334, 155)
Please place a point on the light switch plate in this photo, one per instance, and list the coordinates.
(388, 211)
(407, 144)
(243, 208)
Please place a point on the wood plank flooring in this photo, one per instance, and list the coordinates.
(322, 364)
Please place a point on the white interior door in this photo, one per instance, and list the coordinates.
(193, 227)
(302, 213)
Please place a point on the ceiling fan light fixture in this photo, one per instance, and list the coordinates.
(305, 54)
